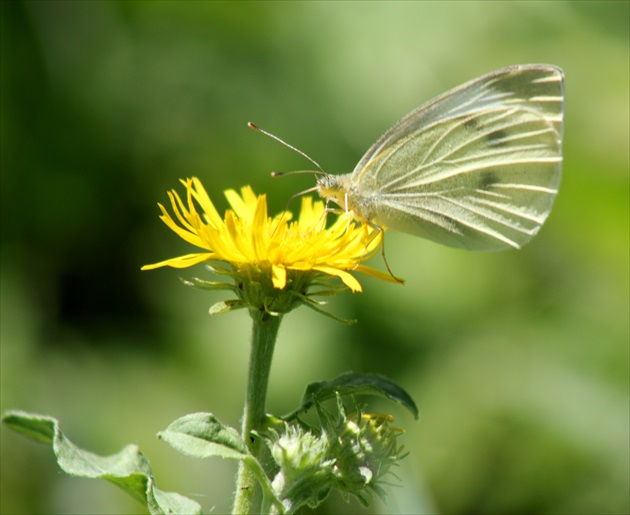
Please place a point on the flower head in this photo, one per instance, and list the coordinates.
(279, 249)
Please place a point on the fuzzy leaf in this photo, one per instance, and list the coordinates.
(351, 383)
(129, 469)
(202, 435)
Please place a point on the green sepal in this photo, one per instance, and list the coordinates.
(351, 383)
(314, 305)
(202, 435)
(129, 469)
(328, 293)
(324, 287)
(220, 268)
(195, 282)
(267, 302)
(224, 306)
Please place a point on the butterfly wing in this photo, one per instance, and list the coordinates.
(478, 167)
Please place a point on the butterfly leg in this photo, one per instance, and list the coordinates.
(382, 232)
(398, 279)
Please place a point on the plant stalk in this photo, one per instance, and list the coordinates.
(264, 332)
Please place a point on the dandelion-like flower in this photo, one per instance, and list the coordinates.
(278, 251)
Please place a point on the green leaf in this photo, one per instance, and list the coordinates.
(202, 435)
(351, 383)
(129, 469)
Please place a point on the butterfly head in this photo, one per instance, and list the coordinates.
(335, 188)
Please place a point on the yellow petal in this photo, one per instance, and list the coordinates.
(347, 278)
(182, 261)
(206, 204)
(279, 276)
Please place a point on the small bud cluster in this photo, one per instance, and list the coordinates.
(350, 454)
(366, 449)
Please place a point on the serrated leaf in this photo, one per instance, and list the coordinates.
(351, 383)
(129, 469)
(202, 435)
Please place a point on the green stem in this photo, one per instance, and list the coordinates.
(264, 332)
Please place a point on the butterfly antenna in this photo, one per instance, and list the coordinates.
(319, 171)
(278, 174)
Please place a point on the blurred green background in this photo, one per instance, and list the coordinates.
(518, 360)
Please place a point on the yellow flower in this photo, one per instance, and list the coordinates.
(247, 238)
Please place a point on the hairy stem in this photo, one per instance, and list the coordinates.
(264, 332)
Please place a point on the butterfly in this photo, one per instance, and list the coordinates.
(477, 167)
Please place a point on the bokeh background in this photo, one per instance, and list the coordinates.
(518, 360)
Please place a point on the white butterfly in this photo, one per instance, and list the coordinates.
(477, 167)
